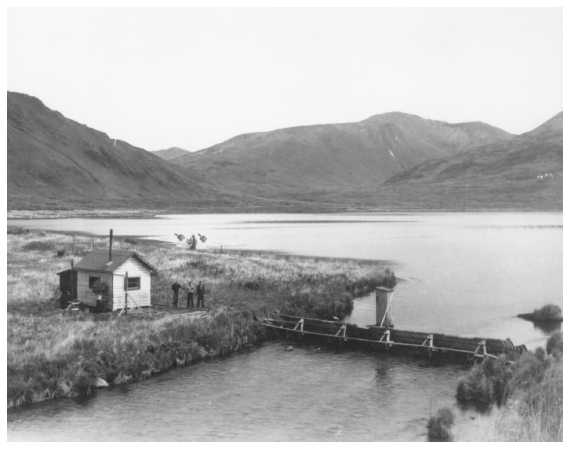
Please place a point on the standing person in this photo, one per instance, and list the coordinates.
(201, 291)
(175, 288)
(190, 299)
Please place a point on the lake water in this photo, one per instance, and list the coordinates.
(466, 274)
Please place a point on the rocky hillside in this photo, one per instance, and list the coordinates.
(334, 156)
(54, 162)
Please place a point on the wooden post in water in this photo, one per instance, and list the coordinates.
(383, 312)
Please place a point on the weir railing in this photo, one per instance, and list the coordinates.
(473, 348)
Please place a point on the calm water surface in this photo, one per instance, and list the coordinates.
(462, 273)
(266, 394)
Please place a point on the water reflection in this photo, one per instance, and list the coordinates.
(383, 372)
(474, 406)
(547, 327)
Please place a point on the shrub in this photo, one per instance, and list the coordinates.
(487, 382)
(554, 344)
(130, 241)
(18, 231)
(389, 279)
(527, 371)
(549, 312)
(439, 425)
(38, 246)
(80, 251)
(533, 412)
(540, 354)
(83, 383)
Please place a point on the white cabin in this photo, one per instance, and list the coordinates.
(110, 268)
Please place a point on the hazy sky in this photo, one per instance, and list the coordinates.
(191, 78)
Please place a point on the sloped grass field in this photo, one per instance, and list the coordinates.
(52, 353)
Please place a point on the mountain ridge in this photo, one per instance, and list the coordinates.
(525, 157)
(334, 155)
(57, 163)
(55, 159)
(170, 153)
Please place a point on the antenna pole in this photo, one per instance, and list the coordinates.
(72, 289)
(126, 290)
(110, 245)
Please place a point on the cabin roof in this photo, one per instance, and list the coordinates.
(98, 259)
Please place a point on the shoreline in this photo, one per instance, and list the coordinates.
(185, 361)
(15, 214)
(68, 352)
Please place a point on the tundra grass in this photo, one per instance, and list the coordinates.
(53, 353)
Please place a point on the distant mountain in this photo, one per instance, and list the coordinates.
(387, 162)
(171, 153)
(294, 160)
(522, 158)
(56, 162)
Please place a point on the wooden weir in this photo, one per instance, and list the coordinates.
(473, 348)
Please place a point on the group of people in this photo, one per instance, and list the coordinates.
(189, 287)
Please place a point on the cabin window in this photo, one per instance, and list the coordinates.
(92, 280)
(134, 284)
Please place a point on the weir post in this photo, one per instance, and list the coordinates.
(383, 313)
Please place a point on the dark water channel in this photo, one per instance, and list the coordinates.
(313, 393)
(463, 274)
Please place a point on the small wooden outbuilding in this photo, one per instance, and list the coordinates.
(105, 272)
(67, 287)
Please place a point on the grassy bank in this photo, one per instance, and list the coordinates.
(528, 394)
(52, 353)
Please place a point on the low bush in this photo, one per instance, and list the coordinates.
(534, 410)
(39, 246)
(549, 312)
(527, 371)
(554, 344)
(439, 425)
(487, 382)
(531, 406)
(18, 231)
